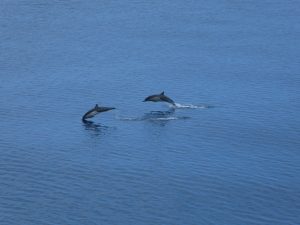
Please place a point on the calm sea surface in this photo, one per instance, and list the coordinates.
(229, 154)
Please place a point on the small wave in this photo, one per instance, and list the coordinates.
(190, 106)
(129, 118)
(170, 118)
(152, 118)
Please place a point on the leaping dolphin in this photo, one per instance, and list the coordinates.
(94, 111)
(159, 98)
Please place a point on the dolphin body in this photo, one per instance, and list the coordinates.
(94, 111)
(159, 98)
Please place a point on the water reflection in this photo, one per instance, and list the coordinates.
(162, 117)
(95, 128)
(156, 117)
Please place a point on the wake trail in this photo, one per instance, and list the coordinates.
(152, 118)
(164, 115)
(189, 106)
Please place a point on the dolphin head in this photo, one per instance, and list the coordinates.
(98, 108)
(104, 109)
(148, 99)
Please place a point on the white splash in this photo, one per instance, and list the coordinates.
(164, 118)
(189, 106)
(170, 118)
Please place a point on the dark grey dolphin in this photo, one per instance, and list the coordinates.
(159, 98)
(94, 111)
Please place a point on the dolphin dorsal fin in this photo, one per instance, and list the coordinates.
(163, 93)
(96, 106)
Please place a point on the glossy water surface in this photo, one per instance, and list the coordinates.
(228, 154)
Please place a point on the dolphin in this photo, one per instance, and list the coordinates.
(94, 111)
(159, 98)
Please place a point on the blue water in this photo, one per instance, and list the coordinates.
(229, 155)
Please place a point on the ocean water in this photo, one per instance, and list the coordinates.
(228, 154)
